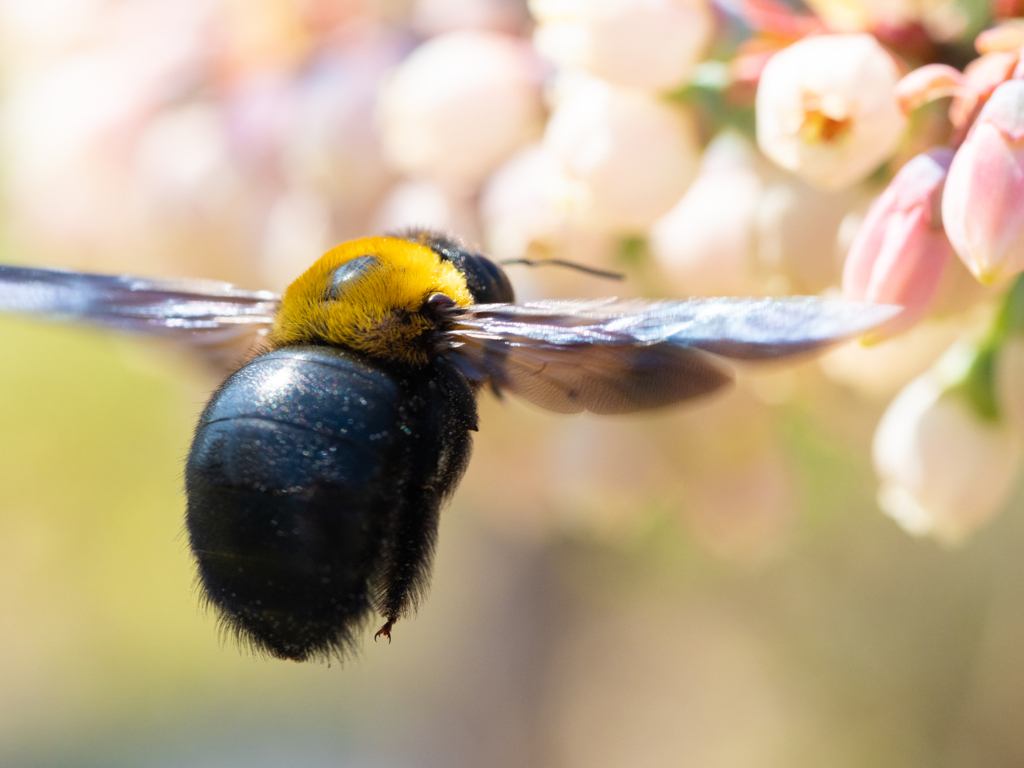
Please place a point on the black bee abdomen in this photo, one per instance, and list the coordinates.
(314, 483)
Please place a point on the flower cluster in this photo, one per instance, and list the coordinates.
(706, 147)
(945, 452)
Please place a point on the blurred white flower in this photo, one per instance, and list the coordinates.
(434, 17)
(628, 156)
(944, 20)
(522, 216)
(73, 114)
(83, 103)
(297, 231)
(861, 15)
(944, 470)
(881, 370)
(635, 43)
(744, 227)
(459, 105)
(257, 113)
(706, 244)
(426, 205)
(45, 30)
(826, 109)
(188, 202)
(326, 142)
(47, 24)
(518, 205)
(182, 162)
(800, 242)
(331, 142)
(264, 37)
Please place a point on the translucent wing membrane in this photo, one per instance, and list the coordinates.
(197, 311)
(610, 356)
(603, 356)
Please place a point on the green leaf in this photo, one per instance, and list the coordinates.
(978, 385)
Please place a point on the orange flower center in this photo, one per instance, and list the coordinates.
(819, 127)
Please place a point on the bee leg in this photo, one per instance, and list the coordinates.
(402, 581)
(385, 630)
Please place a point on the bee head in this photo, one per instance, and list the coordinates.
(487, 282)
(381, 296)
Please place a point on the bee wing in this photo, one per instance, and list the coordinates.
(216, 316)
(610, 356)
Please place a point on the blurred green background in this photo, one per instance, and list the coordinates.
(550, 637)
(712, 586)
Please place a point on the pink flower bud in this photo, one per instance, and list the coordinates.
(927, 83)
(901, 252)
(983, 205)
(981, 77)
(1006, 38)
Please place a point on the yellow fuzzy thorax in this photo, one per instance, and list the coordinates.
(379, 313)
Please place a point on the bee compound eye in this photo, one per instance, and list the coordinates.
(440, 301)
(347, 274)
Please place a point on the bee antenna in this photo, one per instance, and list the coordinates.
(571, 265)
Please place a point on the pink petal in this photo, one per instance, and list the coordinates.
(994, 211)
(860, 261)
(927, 83)
(899, 254)
(908, 269)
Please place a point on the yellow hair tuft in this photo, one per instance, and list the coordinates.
(380, 313)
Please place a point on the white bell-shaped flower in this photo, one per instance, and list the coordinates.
(826, 109)
(944, 470)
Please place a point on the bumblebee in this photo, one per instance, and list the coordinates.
(319, 467)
